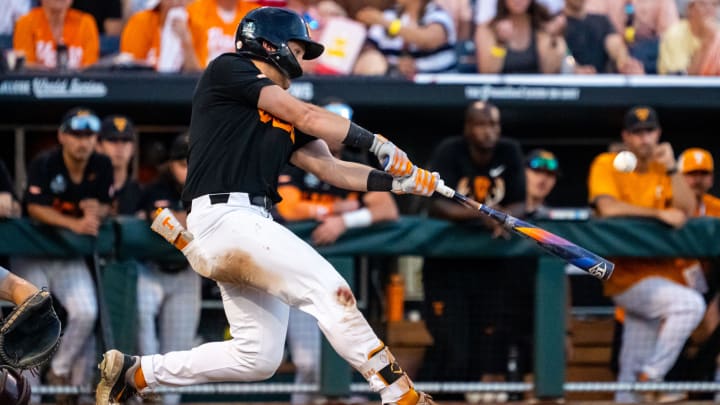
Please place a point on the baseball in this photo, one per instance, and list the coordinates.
(625, 161)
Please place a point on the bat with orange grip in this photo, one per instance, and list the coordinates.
(580, 257)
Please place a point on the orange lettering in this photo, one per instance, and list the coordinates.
(277, 123)
(167, 223)
(481, 185)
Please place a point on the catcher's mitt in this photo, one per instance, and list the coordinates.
(31, 334)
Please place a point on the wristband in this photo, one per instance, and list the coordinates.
(498, 51)
(394, 27)
(358, 137)
(361, 218)
(379, 181)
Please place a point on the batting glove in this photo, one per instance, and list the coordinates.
(421, 182)
(393, 159)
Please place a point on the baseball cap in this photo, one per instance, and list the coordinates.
(641, 117)
(117, 128)
(80, 121)
(695, 160)
(541, 159)
(180, 147)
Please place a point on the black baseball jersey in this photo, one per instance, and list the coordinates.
(234, 145)
(164, 192)
(49, 182)
(6, 184)
(502, 181)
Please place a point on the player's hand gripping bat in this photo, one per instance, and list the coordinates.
(566, 250)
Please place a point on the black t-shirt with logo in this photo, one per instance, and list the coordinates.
(49, 182)
(235, 146)
(502, 181)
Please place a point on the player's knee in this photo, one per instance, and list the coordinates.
(265, 361)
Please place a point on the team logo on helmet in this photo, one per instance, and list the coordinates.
(642, 114)
(249, 29)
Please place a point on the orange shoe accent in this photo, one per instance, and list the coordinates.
(409, 398)
(139, 377)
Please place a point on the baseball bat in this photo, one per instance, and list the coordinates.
(580, 257)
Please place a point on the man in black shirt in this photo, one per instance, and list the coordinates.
(69, 187)
(471, 341)
(117, 141)
(244, 128)
(593, 42)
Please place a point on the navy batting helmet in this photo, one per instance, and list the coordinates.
(14, 388)
(277, 26)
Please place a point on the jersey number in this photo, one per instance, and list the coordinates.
(277, 123)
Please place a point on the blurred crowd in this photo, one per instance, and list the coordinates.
(377, 37)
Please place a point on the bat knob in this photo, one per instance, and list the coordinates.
(444, 190)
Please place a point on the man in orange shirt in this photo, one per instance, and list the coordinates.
(39, 32)
(212, 25)
(661, 310)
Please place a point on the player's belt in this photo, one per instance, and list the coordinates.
(262, 201)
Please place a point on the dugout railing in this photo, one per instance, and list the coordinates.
(130, 238)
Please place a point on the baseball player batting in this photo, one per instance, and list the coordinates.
(244, 128)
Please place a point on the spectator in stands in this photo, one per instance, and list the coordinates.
(168, 292)
(416, 37)
(473, 341)
(660, 309)
(641, 23)
(316, 14)
(54, 27)
(213, 23)
(9, 206)
(692, 45)
(12, 11)
(69, 188)
(461, 12)
(517, 40)
(107, 14)
(305, 197)
(117, 141)
(160, 37)
(485, 9)
(594, 43)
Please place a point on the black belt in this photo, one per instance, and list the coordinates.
(262, 201)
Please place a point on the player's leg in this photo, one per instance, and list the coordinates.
(251, 248)
(149, 296)
(179, 316)
(304, 342)
(258, 325)
(681, 309)
(638, 339)
(75, 290)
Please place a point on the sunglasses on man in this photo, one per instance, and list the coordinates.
(82, 125)
(543, 163)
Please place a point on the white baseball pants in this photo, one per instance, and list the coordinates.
(659, 317)
(265, 268)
